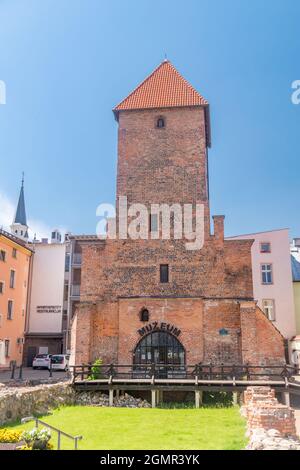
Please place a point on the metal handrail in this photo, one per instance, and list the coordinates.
(59, 431)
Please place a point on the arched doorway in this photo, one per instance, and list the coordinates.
(160, 348)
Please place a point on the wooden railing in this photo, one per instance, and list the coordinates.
(247, 372)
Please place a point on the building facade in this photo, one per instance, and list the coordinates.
(295, 259)
(272, 278)
(15, 260)
(154, 300)
(47, 319)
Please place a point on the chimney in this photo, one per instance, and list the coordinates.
(219, 227)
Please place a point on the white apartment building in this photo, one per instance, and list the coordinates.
(272, 278)
(46, 322)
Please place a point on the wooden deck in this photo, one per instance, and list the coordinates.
(195, 378)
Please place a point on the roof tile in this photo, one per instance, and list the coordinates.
(163, 88)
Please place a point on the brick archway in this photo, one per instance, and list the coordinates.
(161, 348)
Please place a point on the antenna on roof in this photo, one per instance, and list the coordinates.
(166, 58)
(22, 178)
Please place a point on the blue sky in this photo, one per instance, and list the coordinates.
(66, 63)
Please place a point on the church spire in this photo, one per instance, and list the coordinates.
(19, 226)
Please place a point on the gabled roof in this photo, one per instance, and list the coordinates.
(20, 217)
(295, 269)
(163, 88)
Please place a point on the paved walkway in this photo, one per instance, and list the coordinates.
(31, 374)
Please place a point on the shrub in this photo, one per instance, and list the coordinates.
(8, 435)
(217, 399)
(96, 370)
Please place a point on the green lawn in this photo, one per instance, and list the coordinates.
(138, 428)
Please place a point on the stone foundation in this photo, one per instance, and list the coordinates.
(21, 402)
(270, 425)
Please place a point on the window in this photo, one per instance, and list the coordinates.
(67, 263)
(153, 223)
(144, 315)
(269, 308)
(6, 347)
(10, 310)
(1, 287)
(66, 291)
(14, 252)
(2, 255)
(12, 279)
(160, 123)
(265, 247)
(164, 273)
(266, 274)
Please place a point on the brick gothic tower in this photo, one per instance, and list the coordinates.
(163, 138)
(153, 300)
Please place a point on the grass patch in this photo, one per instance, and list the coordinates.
(149, 429)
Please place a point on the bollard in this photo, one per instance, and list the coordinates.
(21, 372)
(50, 369)
(13, 371)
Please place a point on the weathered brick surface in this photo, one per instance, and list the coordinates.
(262, 410)
(206, 287)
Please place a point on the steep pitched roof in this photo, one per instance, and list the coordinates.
(20, 217)
(163, 88)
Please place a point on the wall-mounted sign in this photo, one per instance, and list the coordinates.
(48, 308)
(159, 326)
(223, 332)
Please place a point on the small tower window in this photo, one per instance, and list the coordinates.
(144, 315)
(164, 273)
(160, 123)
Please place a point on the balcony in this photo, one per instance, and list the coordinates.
(76, 259)
(75, 291)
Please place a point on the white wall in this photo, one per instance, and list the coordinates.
(282, 288)
(47, 288)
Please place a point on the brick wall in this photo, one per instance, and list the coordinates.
(263, 410)
(205, 286)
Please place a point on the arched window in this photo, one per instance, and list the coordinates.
(144, 315)
(159, 347)
(160, 123)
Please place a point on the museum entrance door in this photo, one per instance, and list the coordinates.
(162, 349)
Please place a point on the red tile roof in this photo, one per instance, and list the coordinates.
(163, 88)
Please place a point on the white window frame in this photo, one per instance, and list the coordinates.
(5, 255)
(269, 304)
(12, 309)
(266, 271)
(14, 279)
